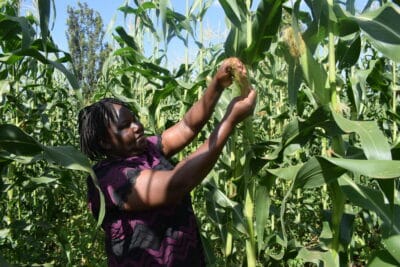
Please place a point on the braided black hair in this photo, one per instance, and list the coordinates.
(93, 123)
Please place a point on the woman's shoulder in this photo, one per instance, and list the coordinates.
(151, 157)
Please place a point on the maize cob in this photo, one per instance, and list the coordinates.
(239, 77)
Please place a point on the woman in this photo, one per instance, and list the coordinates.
(149, 220)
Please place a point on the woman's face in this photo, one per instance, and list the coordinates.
(125, 134)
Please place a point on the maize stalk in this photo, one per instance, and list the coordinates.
(240, 78)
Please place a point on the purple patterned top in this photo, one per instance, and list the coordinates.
(166, 236)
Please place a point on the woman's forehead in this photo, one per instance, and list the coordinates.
(121, 111)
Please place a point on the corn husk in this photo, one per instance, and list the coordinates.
(239, 77)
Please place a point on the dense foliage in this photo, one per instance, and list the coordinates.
(311, 178)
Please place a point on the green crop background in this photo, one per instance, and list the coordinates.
(311, 179)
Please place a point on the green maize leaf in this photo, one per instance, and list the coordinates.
(393, 116)
(7, 157)
(127, 38)
(148, 72)
(344, 25)
(373, 143)
(264, 28)
(130, 54)
(196, 4)
(370, 199)
(319, 9)
(346, 228)
(44, 14)
(155, 68)
(163, 9)
(236, 42)
(69, 75)
(288, 173)
(256, 164)
(139, 10)
(315, 77)
(347, 27)
(316, 32)
(379, 169)
(350, 6)
(223, 201)
(262, 205)
(389, 188)
(378, 79)
(299, 132)
(295, 76)
(348, 51)
(356, 91)
(392, 244)
(396, 151)
(317, 256)
(326, 234)
(159, 95)
(17, 142)
(3, 262)
(320, 170)
(382, 258)
(208, 249)
(264, 25)
(146, 5)
(314, 73)
(9, 28)
(203, 9)
(177, 23)
(232, 11)
(372, 140)
(25, 28)
(280, 246)
(368, 5)
(382, 30)
(32, 52)
(43, 180)
(50, 47)
(4, 233)
(176, 29)
(316, 172)
(216, 213)
(70, 158)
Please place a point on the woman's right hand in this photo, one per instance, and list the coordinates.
(224, 75)
(241, 107)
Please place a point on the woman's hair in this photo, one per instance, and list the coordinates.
(93, 123)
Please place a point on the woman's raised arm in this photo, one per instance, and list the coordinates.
(181, 134)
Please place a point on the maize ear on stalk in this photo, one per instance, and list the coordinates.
(240, 77)
(295, 43)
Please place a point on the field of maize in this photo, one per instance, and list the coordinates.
(311, 179)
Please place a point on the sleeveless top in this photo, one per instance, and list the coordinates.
(164, 236)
